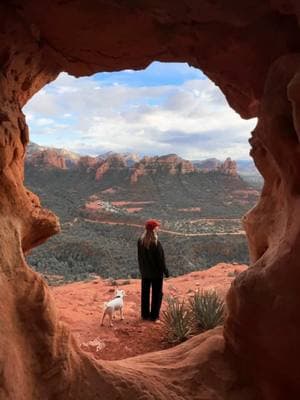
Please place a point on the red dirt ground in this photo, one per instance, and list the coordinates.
(134, 209)
(80, 307)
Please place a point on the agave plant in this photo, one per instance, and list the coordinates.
(177, 320)
(207, 309)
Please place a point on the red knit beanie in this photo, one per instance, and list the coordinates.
(151, 224)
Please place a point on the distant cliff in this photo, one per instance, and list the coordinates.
(130, 165)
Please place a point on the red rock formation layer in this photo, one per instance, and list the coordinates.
(129, 164)
(112, 163)
(88, 163)
(210, 164)
(170, 164)
(228, 167)
(250, 50)
(48, 158)
(266, 297)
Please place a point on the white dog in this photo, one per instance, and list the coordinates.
(116, 303)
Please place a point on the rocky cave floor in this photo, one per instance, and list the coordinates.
(80, 306)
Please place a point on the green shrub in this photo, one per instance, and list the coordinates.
(207, 309)
(177, 320)
(233, 274)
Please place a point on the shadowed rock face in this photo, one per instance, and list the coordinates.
(250, 50)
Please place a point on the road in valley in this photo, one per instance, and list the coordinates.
(238, 233)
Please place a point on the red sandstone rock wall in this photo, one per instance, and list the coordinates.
(228, 167)
(112, 163)
(48, 158)
(169, 164)
(250, 50)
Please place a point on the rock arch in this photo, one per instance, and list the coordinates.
(251, 51)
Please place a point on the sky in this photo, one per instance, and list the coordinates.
(166, 108)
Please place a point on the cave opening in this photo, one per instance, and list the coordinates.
(168, 109)
(251, 51)
(90, 139)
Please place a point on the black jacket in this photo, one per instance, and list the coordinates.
(152, 263)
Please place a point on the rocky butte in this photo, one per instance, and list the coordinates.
(130, 165)
(250, 49)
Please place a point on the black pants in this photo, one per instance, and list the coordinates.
(157, 294)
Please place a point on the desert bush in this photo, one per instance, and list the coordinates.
(207, 309)
(177, 320)
(233, 274)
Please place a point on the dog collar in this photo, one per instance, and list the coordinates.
(117, 297)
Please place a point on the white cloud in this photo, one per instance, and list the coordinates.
(44, 121)
(191, 119)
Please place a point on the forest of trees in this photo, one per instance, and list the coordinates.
(84, 248)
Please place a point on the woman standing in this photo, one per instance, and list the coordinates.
(152, 266)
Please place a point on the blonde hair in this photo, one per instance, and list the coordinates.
(149, 237)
